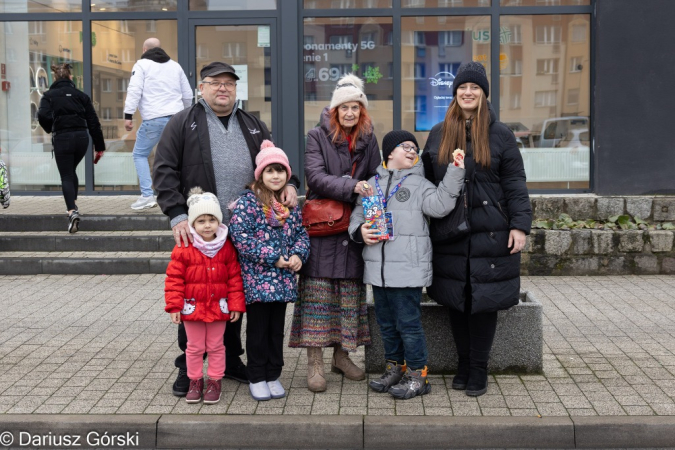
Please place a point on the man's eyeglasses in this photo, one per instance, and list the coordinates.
(408, 148)
(229, 85)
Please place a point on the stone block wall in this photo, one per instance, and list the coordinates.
(598, 252)
(583, 207)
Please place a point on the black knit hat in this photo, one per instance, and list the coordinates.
(392, 139)
(471, 72)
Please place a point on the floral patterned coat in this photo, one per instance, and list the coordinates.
(204, 289)
(260, 246)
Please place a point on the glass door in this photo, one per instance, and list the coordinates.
(247, 45)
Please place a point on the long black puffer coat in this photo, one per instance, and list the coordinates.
(498, 203)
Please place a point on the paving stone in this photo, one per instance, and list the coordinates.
(631, 241)
(639, 207)
(609, 206)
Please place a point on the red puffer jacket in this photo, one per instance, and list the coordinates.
(201, 288)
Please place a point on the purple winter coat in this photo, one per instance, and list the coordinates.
(328, 169)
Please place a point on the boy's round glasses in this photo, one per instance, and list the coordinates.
(408, 148)
(229, 85)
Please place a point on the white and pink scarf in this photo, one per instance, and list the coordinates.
(210, 248)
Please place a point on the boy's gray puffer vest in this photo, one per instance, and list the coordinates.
(406, 260)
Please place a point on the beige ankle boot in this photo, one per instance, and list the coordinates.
(316, 380)
(342, 364)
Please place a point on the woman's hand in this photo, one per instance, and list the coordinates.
(363, 188)
(516, 240)
(234, 316)
(289, 197)
(175, 318)
(295, 263)
(370, 235)
(182, 232)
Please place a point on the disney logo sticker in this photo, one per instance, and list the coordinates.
(442, 79)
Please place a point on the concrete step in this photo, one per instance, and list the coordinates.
(59, 222)
(90, 263)
(87, 241)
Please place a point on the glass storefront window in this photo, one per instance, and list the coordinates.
(346, 4)
(432, 49)
(27, 51)
(545, 2)
(333, 47)
(231, 5)
(545, 96)
(42, 6)
(133, 5)
(241, 46)
(445, 3)
(116, 46)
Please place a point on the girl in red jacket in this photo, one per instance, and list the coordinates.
(204, 289)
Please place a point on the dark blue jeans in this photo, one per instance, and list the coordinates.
(399, 316)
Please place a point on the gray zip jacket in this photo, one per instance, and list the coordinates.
(406, 260)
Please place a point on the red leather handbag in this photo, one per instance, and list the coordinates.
(325, 217)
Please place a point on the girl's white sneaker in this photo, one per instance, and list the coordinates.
(276, 389)
(260, 391)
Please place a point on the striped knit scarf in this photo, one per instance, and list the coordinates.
(276, 215)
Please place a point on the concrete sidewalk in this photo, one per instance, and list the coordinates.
(79, 352)
(103, 345)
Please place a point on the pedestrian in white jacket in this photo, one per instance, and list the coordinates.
(158, 89)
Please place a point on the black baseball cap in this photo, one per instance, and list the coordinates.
(216, 68)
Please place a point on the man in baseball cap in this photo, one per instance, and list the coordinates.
(216, 68)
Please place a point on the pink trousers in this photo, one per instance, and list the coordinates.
(205, 338)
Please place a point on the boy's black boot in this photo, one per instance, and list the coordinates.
(478, 379)
(393, 373)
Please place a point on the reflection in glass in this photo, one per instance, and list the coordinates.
(247, 49)
(545, 2)
(116, 46)
(133, 5)
(41, 6)
(231, 5)
(346, 4)
(337, 46)
(545, 96)
(24, 146)
(432, 49)
(445, 3)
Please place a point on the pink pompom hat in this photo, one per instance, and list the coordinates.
(269, 154)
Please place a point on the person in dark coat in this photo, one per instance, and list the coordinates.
(340, 155)
(479, 275)
(68, 113)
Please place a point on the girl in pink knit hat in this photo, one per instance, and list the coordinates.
(273, 246)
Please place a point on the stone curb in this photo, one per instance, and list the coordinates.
(328, 432)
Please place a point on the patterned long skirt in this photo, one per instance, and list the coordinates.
(328, 312)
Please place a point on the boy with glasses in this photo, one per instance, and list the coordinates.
(398, 265)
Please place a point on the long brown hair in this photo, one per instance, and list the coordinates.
(61, 71)
(363, 127)
(454, 133)
(265, 194)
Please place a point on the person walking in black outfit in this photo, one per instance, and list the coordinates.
(68, 113)
(478, 275)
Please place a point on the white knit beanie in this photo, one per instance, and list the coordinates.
(349, 89)
(200, 203)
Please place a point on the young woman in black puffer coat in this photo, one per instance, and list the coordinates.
(68, 113)
(479, 275)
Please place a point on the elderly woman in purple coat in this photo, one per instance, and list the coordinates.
(341, 154)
